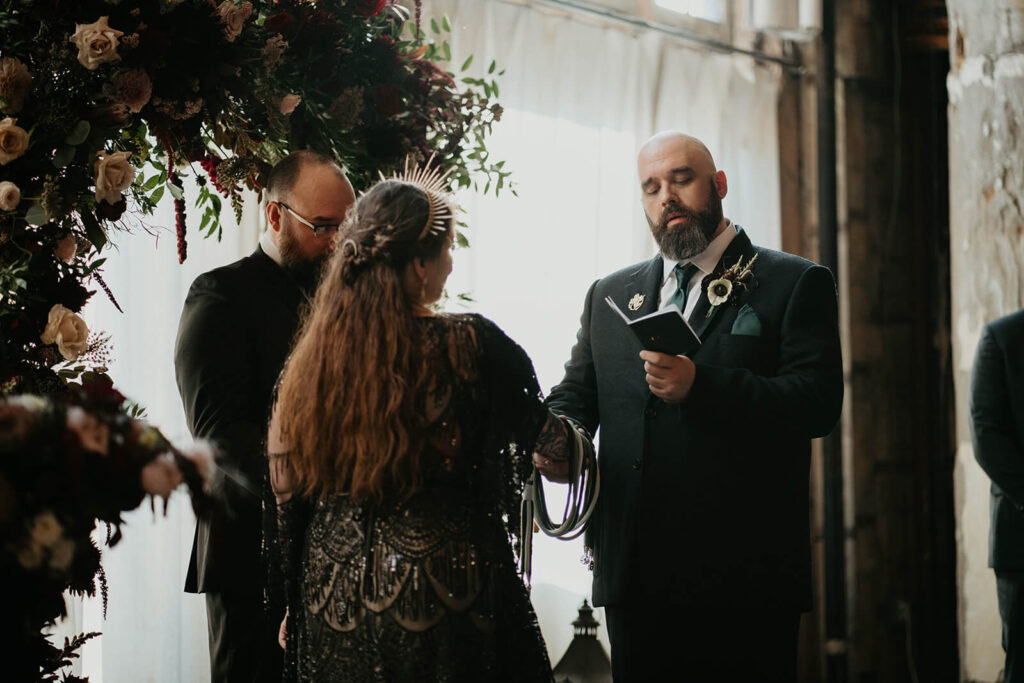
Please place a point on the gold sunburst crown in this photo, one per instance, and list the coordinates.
(433, 183)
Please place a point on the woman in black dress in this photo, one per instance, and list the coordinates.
(400, 444)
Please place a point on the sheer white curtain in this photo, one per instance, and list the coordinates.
(579, 97)
(153, 631)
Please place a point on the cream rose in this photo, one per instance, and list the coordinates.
(31, 556)
(46, 530)
(97, 43)
(288, 103)
(37, 404)
(133, 89)
(13, 140)
(113, 175)
(66, 248)
(233, 17)
(92, 432)
(62, 553)
(14, 84)
(68, 331)
(10, 195)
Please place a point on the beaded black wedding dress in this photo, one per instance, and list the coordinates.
(427, 589)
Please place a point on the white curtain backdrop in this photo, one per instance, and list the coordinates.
(580, 97)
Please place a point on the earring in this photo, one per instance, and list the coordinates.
(423, 289)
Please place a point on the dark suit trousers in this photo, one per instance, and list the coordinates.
(243, 644)
(1010, 590)
(662, 642)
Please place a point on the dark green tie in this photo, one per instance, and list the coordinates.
(683, 276)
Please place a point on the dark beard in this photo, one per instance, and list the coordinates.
(305, 274)
(302, 271)
(686, 241)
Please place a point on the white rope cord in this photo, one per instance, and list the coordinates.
(584, 487)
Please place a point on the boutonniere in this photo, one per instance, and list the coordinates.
(723, 289)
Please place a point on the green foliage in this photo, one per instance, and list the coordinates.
(185, 96)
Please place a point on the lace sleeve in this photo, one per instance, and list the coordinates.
(555, 439)
(284, 531)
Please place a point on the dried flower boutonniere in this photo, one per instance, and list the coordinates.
(722, 289)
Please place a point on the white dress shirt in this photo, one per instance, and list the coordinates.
(269, 248)
(705, 262)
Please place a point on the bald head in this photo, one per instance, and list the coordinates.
(682, 193)
(672, 143)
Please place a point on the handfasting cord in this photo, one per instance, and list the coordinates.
(584, 486)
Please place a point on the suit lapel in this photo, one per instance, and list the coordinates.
(644, 286)
(702, 323)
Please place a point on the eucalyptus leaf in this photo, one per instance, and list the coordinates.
(175, 191)
(434, 27)
(158, 194)
(93, 230)
(63, 156)
(151, 184)
(446, 24)
(491, 68)
(465, 64)
(36, 215)
(79, 134)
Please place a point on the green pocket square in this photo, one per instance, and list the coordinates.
(747, 323)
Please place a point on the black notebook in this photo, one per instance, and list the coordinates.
(664, 331)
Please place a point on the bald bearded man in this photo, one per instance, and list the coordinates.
(700, 538)
(236, 330)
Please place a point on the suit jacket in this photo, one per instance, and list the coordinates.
(996, 409)
(705, 502)
(235, 332)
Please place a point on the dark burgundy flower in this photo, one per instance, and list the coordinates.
(278, 22)
(383, 57)
(386, 101)
(111, 212)
(98, 391)
(368, 8)
(432, 71)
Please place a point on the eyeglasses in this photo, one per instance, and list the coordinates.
(318, 230)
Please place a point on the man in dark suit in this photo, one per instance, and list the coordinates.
(235, 332)
(700, 538)
(997, 432)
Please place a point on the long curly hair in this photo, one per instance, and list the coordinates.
(349, 403)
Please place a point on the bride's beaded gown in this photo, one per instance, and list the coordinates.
(427, 589)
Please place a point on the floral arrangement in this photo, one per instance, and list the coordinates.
(66, 463)
(106, 106)
(721, 290)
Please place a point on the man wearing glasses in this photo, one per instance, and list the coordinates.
(236, 328)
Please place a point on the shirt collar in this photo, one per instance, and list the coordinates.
(707, 259)
(269, 248)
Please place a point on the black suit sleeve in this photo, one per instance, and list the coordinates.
(997, 444)
(214, 369)
(575, 396)
(805, 394)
